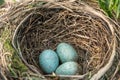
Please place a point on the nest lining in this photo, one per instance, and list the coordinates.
(49, 34)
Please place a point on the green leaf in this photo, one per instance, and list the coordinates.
(111, 7)
(8, 46)
(118, 11)
(12, 72)
(2, 2)
(112, 4)
(104, 4)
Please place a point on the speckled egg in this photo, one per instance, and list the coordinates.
(67, 68)
(66, 52)
(48, 61)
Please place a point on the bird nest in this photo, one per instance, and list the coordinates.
(49, 23)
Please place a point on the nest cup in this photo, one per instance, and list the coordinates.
(76, 23)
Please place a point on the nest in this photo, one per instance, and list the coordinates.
(49, 23)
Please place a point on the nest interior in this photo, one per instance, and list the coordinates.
(51, 24)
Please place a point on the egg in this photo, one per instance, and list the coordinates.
(66, 52)
(48, 61)
(67, 68)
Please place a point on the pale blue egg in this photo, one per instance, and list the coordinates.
(67, 68)
(66, 53)
(48, 61)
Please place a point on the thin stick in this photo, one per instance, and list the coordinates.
(116, 71)
(2, 75)
(68, 76)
